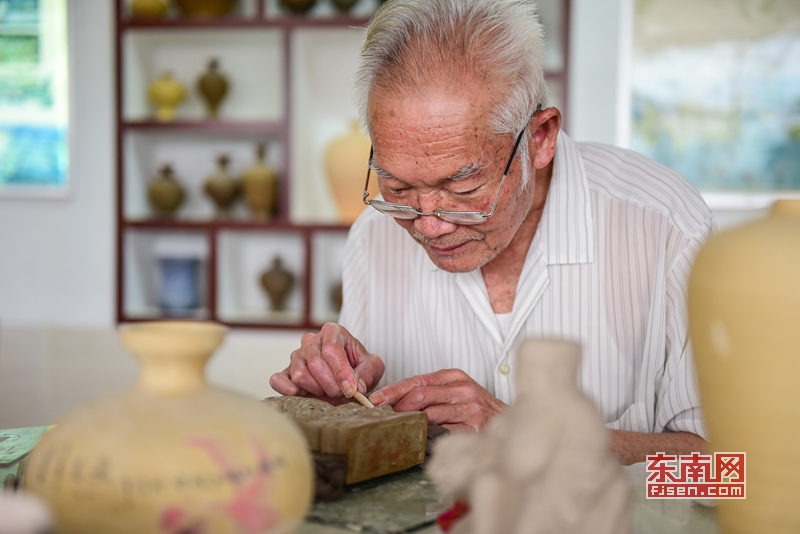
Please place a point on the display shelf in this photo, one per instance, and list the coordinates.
(290, 88)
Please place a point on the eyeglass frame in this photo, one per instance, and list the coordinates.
(479, 216)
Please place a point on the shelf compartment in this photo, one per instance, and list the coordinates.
(328, 255)
(251, 60)
(143, 278)
(242, 258)
(193, 158)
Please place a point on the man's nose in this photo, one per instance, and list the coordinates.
(431, 225)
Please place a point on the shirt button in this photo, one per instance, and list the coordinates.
(505, 368)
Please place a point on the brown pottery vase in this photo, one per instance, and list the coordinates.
(744, 321)
(173, 454)
(278, 283)
(206, 8)
(344, 6)
(165, 193)
(222, 187)
(213, 87)
(260, 187)
(298, 6)
(337, 296)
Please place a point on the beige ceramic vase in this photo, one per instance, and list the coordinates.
(260, 187)
(346, 162)
(165, 193)
(166, 94)
(213, 87)
(222, 187)
(744, 318)
(173, 454)
(148, 8)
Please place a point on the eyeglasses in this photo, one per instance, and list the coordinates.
(402, 211)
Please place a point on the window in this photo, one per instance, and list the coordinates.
(34, 97)
(716, 91)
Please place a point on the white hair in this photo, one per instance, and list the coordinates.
(414, 43)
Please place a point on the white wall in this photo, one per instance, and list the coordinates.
(597, 31)
(57, 266)
(56, 256)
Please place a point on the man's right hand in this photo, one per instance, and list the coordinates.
(330, 364)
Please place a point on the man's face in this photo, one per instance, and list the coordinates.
(436, 151)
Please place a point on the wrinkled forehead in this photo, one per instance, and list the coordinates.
(459, 107)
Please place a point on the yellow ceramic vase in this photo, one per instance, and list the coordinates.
(166, 94)
(260, 186)
(346, 163)
(744, 315)
(149, 8)
(173, 454)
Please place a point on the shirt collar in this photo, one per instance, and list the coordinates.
(566, 229)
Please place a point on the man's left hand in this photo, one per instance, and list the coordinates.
(449, 397)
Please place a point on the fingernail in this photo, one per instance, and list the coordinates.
(376, 398)
(362, 386)
(348, 389)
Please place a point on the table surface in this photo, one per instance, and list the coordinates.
(408, 501)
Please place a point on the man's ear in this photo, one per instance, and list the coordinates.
(542, 144)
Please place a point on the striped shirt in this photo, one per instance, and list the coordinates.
(608, 267)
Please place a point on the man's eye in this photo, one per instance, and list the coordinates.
(466, 193)
(397, 190)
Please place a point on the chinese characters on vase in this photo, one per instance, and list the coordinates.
(176, 454)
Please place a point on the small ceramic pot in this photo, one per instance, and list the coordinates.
(298, 6)
(166, 94)
(344, 6)
(260, 187)
(148, 8)
(278, 283)
(213, 87)
(222, 187)
(165, 193)
(179, 293)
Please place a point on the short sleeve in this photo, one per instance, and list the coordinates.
(678, 399)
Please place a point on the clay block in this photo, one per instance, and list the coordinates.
(376, 441)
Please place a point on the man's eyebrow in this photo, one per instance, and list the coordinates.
(460, 175)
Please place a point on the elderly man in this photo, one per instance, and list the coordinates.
(493, 226)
